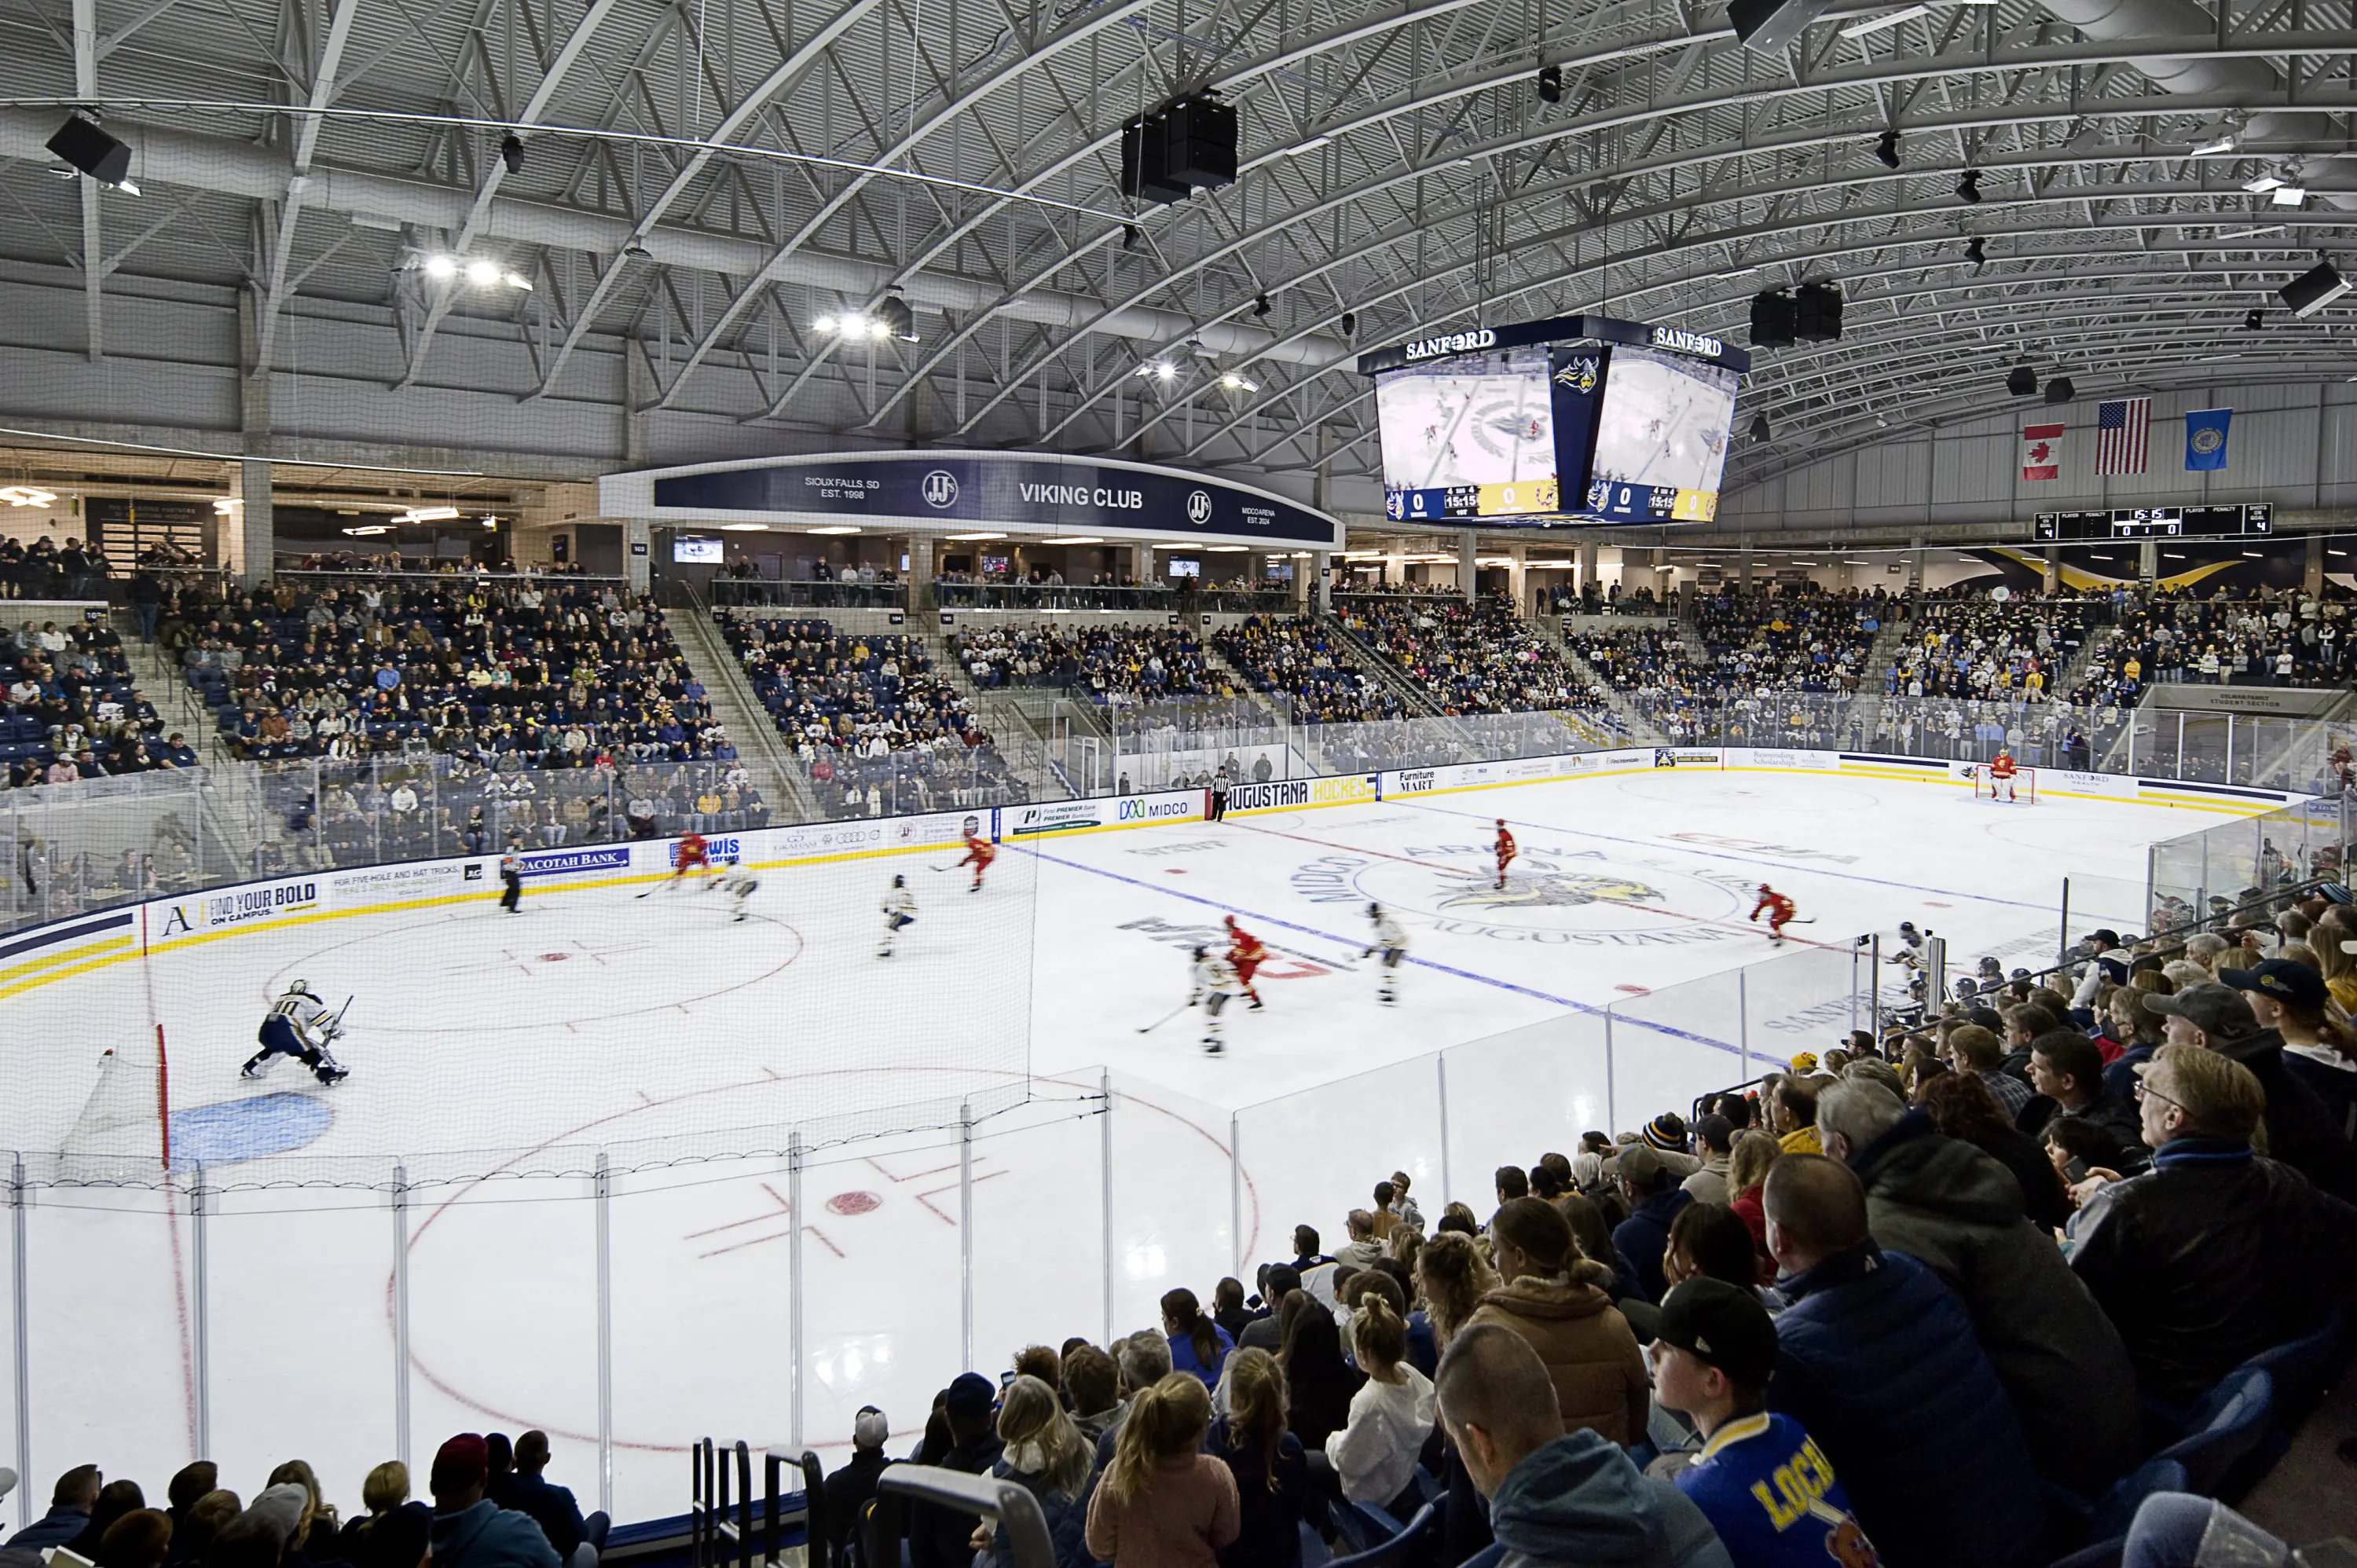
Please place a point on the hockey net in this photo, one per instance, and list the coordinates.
(2022, 790)
(123, 1135)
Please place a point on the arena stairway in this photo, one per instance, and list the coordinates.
(1866, 712)
(1635, 725)
(758, 746)
(1024, 738)
(1419, 703)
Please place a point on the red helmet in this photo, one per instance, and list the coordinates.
(1501, 821)
(1765, 889)
(1229, 921)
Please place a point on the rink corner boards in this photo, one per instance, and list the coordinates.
(83, 943)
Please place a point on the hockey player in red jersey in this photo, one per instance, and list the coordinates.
(979, 853)
(691, 854)
(1505, 849)
(2003, 770)
(1245, 954)
(1780, 910)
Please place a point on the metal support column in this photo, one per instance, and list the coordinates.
(1440, 1071)
(401, 1313)
(201, 1317)
(797, 1320)
(1874, 988)
(1105, 1191)
(1611, 1120)
(1743, 1022)
(966, 1233)
(20, 1198)
(602, 1190)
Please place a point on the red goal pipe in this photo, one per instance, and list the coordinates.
(164, 1096)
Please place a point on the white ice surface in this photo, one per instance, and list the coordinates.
(299, 1359)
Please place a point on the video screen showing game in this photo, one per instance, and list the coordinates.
(1660, 437)
(1471, 436)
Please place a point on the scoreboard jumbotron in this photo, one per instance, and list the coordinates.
(2249, 521)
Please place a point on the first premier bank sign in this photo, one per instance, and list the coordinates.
(940, 490)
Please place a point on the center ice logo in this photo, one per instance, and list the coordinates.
(1555, 890)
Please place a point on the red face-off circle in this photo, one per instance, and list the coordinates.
(852, 1203)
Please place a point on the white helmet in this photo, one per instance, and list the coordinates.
(299, 988)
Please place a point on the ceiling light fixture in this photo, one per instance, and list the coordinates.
(26, 495)
(964, 538)
(1235, 382)
(2263, 184)
(368, 531)
(419, 514)
(2289, 195)
(1074, 539)
(892, 312)
(224, 505)
(2215, 147)
(836, 529)
(744, 528)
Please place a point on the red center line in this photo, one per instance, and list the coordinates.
(1453, 870)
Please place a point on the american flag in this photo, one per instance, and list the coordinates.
(2123, 432)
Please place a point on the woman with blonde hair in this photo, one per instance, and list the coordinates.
(1452, 1277)
(1275, 1495)
(385, 1489)
(1163, 1503)
(1374, 1454)
(1046, 1454)
(1747, 1167)
(314, 1511)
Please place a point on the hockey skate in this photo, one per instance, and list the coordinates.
(331, 1075)
(1256, 1004)
(1211, 1047)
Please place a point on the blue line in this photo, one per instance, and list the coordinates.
(1658, 845)
(1588, 1007)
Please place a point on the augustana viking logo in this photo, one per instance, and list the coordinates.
(1555, 890)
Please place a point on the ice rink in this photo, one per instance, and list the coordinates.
(600, 1019)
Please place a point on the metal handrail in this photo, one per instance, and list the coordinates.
(1009, 1503)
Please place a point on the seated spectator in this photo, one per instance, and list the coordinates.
(2216, 1253)
(1654, 1198)
(114, 1499)
(578, 1541)
(210, 1514)
(2067, 1072)
(1266, 1332)
(187, 1488)
(401, 1539)
(963, 1438)
(1706, 1240)
(1199, 1347)
(70, 1502)
(1714, 1353)
(1554, 1298)
(1876, 1359)
(1228, 1308)
(1976, 1051)
(1163, 1502)
(1144, 1360)
(852, 1486)
(1946, 1204)
(1045, 1452)
(1274, 1491)
(1747, 1169)
(1092, 1387)
(140, 1539)
(1714, 1140)
(470, 1530)
(1556, 1498)
(1361, 1250)
(1374, 1455)
(2302, 1130)
(384, 1489)
(1792, 1115)
(1320, 1385)
(1961, 1107)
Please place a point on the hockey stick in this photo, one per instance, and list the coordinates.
(1149, 1029)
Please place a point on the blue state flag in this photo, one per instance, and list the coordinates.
(2205, 438)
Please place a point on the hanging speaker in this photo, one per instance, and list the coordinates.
(1817, 313)
(2021, 382)
(2313, 289)
(81, 143)
(2060, 390)
(1771, 319)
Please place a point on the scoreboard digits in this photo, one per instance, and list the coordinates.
(2250, 520)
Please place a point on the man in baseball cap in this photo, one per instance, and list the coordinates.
(1654, 1198)
(2240, 1017)
(1713, 1351)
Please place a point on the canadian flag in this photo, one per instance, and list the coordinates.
(2041, 451)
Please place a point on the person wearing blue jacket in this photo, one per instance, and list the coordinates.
(1571, 1500)
(470, 1530)
(1877, 1360)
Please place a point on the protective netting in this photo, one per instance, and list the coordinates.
(628, 1010)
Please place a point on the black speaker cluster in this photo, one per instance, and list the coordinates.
(1187, 142)
(1809, 314)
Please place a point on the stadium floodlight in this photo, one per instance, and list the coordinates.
(1235, 382)
(2289, 195)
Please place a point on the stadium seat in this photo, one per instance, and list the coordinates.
(1397, 1547)
(2227, 1424)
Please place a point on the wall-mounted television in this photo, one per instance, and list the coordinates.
(690, 551)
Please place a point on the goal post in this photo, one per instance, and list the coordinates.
(123, 1134)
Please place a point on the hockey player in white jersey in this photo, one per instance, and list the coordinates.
(298, 1025)
(1390, 942)
(739, 884)
(1211, 982)
(899, 911)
